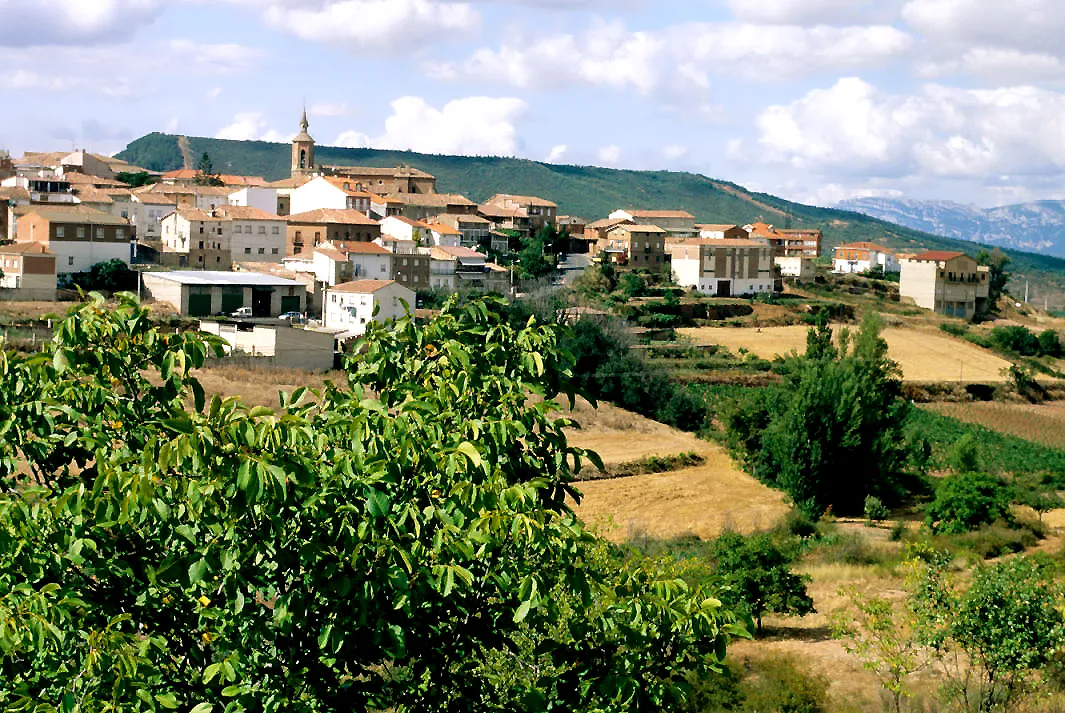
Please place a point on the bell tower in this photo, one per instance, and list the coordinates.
(303, 150)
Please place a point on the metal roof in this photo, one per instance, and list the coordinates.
(213, 277)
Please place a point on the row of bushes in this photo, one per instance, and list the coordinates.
(1015, 340)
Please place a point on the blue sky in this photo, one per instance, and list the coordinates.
(815, 100)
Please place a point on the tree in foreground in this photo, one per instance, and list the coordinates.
(993, 638)
(881, 633)
(402, 541)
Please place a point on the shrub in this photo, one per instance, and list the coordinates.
(783, 685)
(898, 531)
(967, 501)
(965, 455)
(997, 540)
(719, 691)
(1050, 344)
(1015, 339)
(847, 548)
(875, 510)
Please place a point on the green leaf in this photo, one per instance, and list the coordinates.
(202, 708)
(197, 571)
(167, 700)
(522, 612)
(470, 451)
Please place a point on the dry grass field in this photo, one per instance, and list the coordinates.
(698, 501)
(1042, 423)
(923, 355)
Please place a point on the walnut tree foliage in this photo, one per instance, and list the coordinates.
(401, 541)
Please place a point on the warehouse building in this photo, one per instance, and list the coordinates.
(202, 293)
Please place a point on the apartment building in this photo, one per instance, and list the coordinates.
(861, 257)
(950, 283)
(79, 237)
(639, 247)
(27, 272)
(194, 238)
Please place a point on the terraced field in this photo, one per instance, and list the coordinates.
(1041, 423)
(923, 355)
(698, 501)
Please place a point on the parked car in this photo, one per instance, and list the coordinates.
(292, 317)
(242, 313)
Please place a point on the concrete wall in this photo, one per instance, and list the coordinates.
(805, 269)
(316, 194)
(168, 291)
(285, 346)
(264, 199)
(258, 240)
(918, 282)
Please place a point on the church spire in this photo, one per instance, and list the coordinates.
(303, 149)
(304, 124)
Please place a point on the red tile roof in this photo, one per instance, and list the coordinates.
(936, 256)
(332, 215)
(363, 287)
(360, 248)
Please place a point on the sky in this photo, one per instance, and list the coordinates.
(812, 100)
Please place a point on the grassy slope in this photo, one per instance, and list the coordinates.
(586, 191)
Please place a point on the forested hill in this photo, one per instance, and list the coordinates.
(586, 191)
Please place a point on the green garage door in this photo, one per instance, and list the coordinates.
(290, 304)
(200, 305)
(231, 302)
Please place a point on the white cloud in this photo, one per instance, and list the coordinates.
(395, 26)
(853, 129)
(610, 155)
(812, 12)
(678, 62)
(1002, 66)
(28, 23)
(470, 126)
(213, 93)
(557, 152)
(1028, 25)
(251, 126)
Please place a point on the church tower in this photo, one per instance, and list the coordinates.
(303, 150)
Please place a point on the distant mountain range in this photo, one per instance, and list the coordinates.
(1036, 227)
(587, 191)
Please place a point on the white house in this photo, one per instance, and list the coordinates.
(444, 235)
(329, 192)
(802, 268)
(863, 257)
(149, 211)
(256, 235)
(265, 199)
(405, 229)
(723, 268)
(453, 268)
(335, 263)
(353, 305)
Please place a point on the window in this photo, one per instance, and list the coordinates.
(201, 230)
(262, 230)
(299, 235)
(201, 245)
(276, 230)
(70, 260)
(317, 236)
(99, 233)
(60, 231)
(125, 214)
(262, 251)
(120, 234)
(238, 229)
(384, 268)
(247, 251)
(218, 259)
(273, 251)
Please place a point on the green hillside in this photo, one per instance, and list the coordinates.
(589, 192)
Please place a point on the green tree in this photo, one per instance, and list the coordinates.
(755, 575)
(998, 277)
(371, 545)
(964, 456)
(994, 636)
(882, 634)
(205, 174)
(632, 285)
(537, 257)
(968, 501)
(833, 433)
(136, 180)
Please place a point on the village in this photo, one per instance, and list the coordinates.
(331, 248)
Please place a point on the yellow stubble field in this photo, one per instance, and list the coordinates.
(701, 501)
(922, 355)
